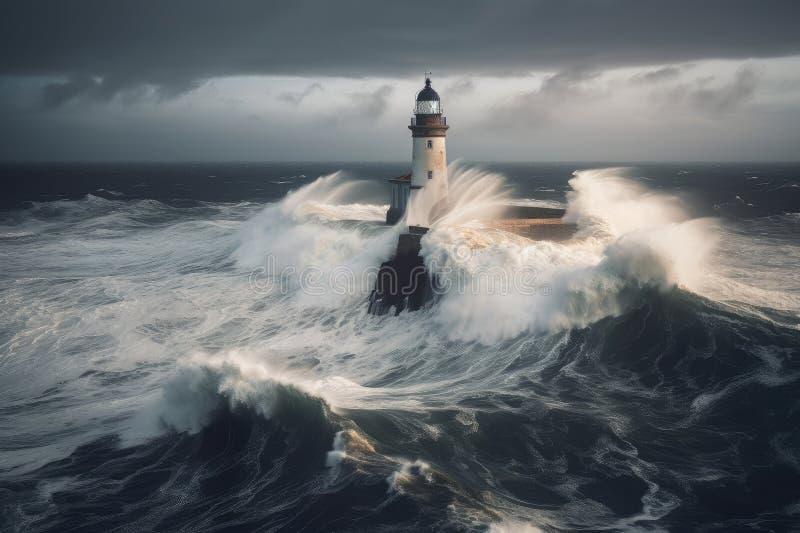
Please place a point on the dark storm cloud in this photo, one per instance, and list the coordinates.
(103, 47)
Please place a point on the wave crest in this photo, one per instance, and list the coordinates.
(204, 384)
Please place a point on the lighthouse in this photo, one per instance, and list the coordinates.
(403, 281)
(428, 183)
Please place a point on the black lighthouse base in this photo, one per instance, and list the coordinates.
(403, 281)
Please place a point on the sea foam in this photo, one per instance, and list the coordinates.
(630, 240)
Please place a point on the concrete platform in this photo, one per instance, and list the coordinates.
(543, 229)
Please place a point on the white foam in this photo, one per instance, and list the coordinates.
(308, 234)
(338, 453)
(633, 240)
(513, 526)
(407, 472)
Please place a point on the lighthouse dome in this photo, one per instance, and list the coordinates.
(428, 101)
(427, 93)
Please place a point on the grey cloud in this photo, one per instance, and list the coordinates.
(727, 97)
(704, 97)
(92, 89)
(371, 104)
(528, 111)
(360, 105)
(567, 83)
(538, 108)
(297, 98)
(460, 87)
(89, 88)
(658, 75)
(174, 45)
(58, 93)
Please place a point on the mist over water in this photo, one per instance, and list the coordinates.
(183, 363)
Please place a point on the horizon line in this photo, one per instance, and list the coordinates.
(387, 161)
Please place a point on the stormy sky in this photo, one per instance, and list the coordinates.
(320, 80)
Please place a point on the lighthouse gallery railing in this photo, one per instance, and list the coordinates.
(442, 121)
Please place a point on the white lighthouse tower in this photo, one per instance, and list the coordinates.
(428, 160)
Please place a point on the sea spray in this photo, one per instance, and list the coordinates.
(609, 199)
(627, 247)
(473, 195)
(324, 252)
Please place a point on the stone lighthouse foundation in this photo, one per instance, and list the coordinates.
(403, 282)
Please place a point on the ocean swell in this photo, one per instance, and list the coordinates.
(642, 376)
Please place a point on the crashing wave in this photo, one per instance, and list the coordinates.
(633, 241)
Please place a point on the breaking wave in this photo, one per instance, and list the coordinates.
(629, 241)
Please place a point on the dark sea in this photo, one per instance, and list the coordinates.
(186, 347)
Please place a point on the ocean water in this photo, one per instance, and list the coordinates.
(187, 348)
